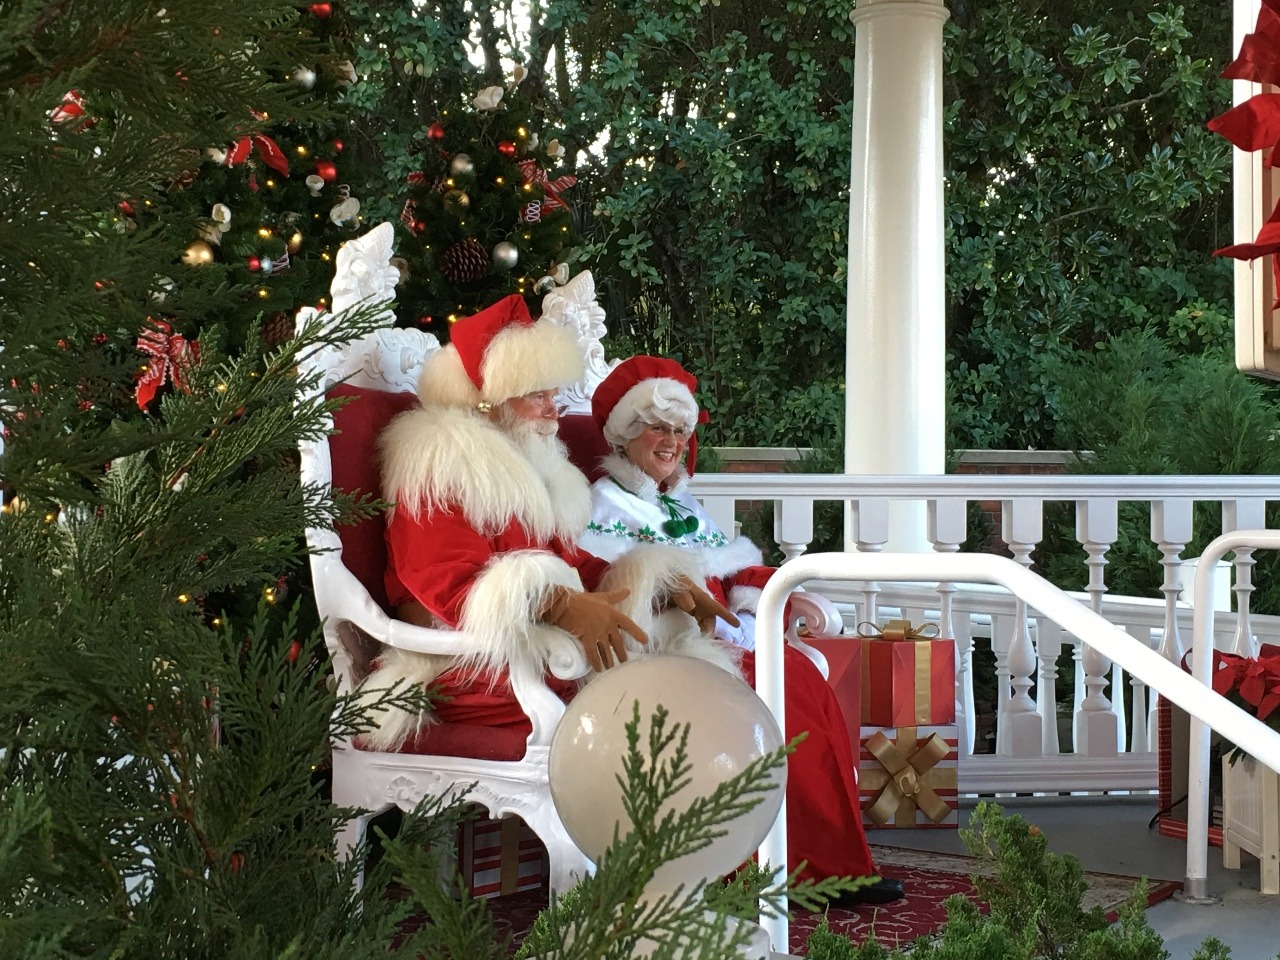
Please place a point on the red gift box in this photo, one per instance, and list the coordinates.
(844, 676)
(498, 857)
(908, 678)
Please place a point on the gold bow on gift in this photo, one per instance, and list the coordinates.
(897, 630)
(905, 788)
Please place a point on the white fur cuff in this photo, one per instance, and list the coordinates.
(744, 599)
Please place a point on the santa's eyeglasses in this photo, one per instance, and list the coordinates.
(546, 400)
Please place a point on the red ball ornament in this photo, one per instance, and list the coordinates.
(321, 10)
(255, 264)
(436, 131)
(326, 170)
(295, 648)
(125, 207)
(507, 148)
(337, 146)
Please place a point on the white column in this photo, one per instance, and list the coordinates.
(894, 356)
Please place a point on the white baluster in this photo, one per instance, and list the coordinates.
(1140, 741)
(1171, 530)
(722, 511)
(965, 715)
(1001, 631)
(1022, 528)
(793, 525)
(1244, 515)
(1048, 646)
(947, 523)
(870, 517)
(1097, 725)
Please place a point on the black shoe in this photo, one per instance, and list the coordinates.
(884, 890)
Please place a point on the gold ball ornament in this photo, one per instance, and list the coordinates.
(456, 202)
(199, 254)
(295, 242)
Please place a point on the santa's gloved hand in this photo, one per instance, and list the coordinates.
(704, 608)
(595, 621)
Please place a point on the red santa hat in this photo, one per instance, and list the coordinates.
(639, 385)
(499, 353)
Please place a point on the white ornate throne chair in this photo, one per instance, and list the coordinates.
(501, 771)
(505, 773)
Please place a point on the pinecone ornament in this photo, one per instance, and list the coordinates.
(277, 329)
(465, 261)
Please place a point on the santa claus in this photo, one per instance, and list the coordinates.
(481, 538)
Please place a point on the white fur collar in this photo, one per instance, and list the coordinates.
(437, 457)
(634, 480)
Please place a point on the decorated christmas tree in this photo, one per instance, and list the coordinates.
(485, 214)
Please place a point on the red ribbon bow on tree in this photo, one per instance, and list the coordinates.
(272, 155)
(531, 173)
(1255, 681)
(170, 354)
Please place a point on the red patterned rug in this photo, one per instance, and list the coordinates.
(929, 879)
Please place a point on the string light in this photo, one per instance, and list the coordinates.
(271, 184)
(221, 388)
(184, 598)
(264, 232)
(263, 293)
(301, 150)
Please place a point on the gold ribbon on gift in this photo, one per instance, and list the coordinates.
(907, 787)
(897, 630)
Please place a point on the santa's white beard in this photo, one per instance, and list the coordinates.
(537, 439)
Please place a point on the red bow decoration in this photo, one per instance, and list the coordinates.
(272, 155)
(1255, 124)
(530, 172)
(170, 354)
(1255, 681)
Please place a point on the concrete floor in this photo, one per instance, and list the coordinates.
(1112, 836)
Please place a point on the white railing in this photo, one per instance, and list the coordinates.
(1104, 746)
(1104, 640)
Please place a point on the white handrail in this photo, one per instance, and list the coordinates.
(1195, 887)
(1095, 631)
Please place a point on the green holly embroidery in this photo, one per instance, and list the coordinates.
(647, 534)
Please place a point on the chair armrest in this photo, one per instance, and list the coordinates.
(348, 603)
(821, 618)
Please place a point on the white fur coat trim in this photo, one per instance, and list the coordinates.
(744, 599)
(650, 571)
(435, 457)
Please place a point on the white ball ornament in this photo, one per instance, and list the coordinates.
(505, 254)
(729, 728)
(304, 77)
(461, 165)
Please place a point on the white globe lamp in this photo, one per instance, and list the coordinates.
(729, 728)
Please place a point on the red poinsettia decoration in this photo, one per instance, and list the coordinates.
(1255, 124)
(1253, 683)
